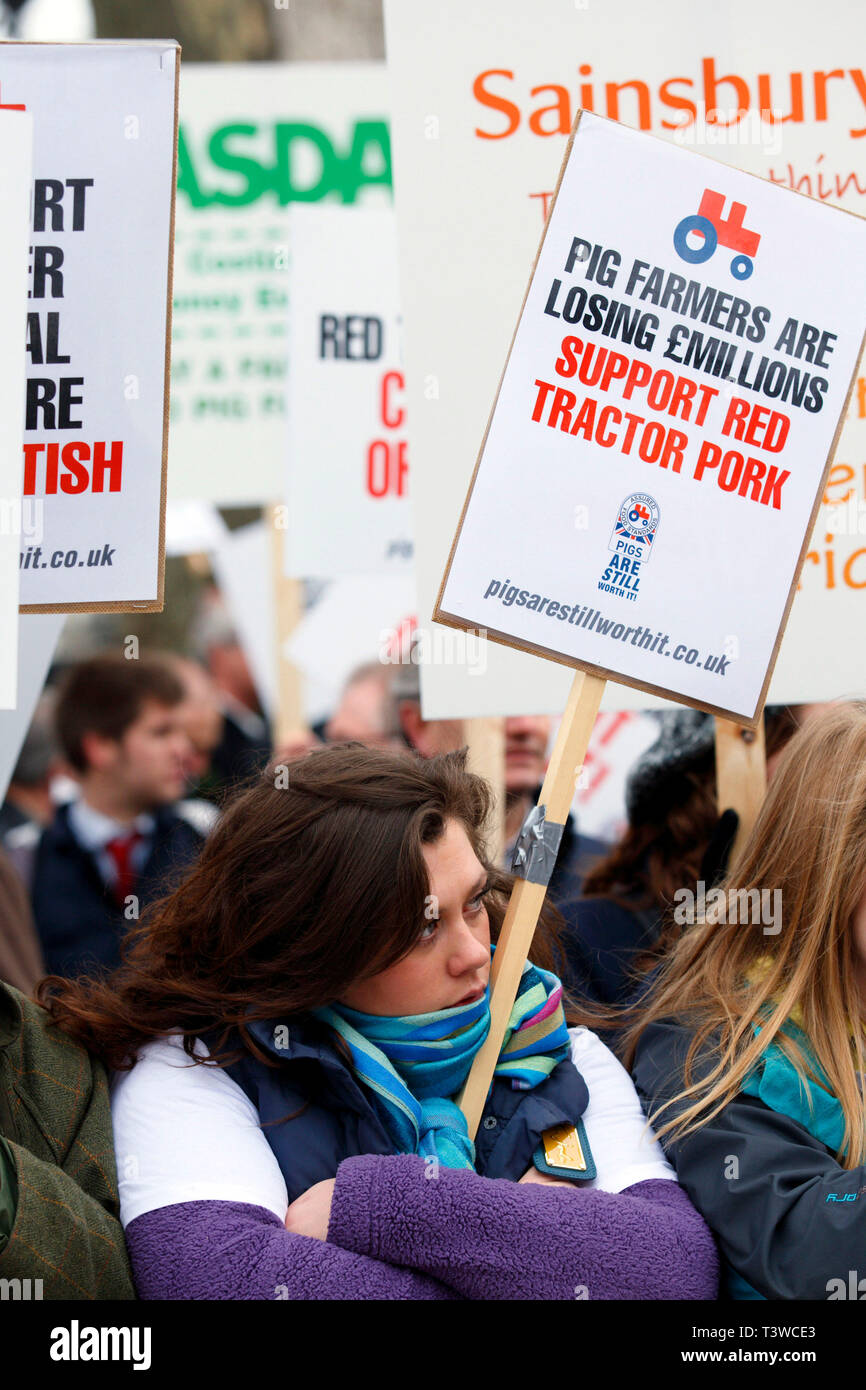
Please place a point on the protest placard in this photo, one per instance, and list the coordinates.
(354, 621)
(657, 452)
(242, 568)
(483, 99)
(192, 528)
(619, 739)
(347, 458)
(38, 635)
(16, 149)
(96, 415)
(255, 139)
(710, 411)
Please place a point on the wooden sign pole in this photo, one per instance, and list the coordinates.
(486, 741)
(526, 899)
(741, 775)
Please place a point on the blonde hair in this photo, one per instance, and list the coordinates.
(725, 977)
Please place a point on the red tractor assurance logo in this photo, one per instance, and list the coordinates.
(714, 230)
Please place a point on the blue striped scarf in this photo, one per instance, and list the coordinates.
(415, 1064)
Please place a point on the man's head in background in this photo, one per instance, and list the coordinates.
(526, 736)
(218, 647)
(426, 736)
(526, 740)
(367, 710)
(118, 723)
(200, 717)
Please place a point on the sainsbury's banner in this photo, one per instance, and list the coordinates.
(254, 140)
(348, 466)
(16, 151)
(482, 103)
(96, 411)
(667, 440)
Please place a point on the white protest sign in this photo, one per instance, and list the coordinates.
(619, 739)
(666, 439)
(255, 138)
(483, 98)
(96, 348)
(242, 565)
(16, 149)
(348, 466)
(192, 528)
(355, 621)
(38, 634)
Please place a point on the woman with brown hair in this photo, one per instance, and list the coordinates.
(750, 1049)
(289, 1030)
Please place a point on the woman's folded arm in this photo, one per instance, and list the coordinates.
(494, 1239)
(233, 1250)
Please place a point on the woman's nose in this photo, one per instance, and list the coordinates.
(469, 952)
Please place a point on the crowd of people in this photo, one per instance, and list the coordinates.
(241, 988)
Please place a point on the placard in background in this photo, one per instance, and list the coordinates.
(38, 635)
(347, 459)
(482, 100)
(353, 622)
(242, 567)
(96, 415)
(254, 139)
(16, 153)
(656, 454)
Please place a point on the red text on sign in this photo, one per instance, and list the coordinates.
(387, 459)
(49, 469)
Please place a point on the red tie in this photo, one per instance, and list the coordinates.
(120, 850)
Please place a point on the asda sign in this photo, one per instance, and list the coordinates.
(283, 162)
(255, 141)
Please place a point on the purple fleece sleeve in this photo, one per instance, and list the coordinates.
(489, 1238)
(231, 1250)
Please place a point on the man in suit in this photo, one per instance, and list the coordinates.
(125, 838)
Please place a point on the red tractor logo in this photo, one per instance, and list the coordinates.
(715, 230)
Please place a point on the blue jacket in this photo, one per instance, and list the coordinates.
(789, 1219)
(79, 922)
(602, 940)
(334, 1117)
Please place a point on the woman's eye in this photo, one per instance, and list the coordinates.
(429, 929)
